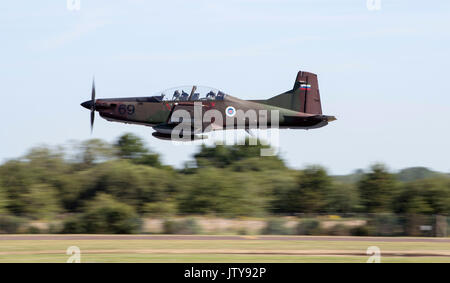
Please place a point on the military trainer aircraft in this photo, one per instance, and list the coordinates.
(298, 108)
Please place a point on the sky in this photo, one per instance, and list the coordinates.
(384, 73)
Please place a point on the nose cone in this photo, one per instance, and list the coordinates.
(87, 104)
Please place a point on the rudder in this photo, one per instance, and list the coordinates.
(304, 96)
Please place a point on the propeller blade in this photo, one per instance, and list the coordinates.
(93, 105)
(92, 120)
(93, 91)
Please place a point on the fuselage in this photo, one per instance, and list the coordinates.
(193, 110)
(153, 111)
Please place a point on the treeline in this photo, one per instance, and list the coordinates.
(97, 187)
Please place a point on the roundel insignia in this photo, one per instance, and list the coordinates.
(230, 111)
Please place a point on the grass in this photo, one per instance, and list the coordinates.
(216, 250)
(195, 258)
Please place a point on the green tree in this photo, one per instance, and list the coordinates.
(310, 193)
(217, 156)
(377, 190)
(3, 200)
(94, 151)
(16, 180)
(72, 187)
(46, 158)
(259, 164)
(44, 165)
(222, 156)
(23, 188)
(438, 195)
(429, 196)
(216, 191)
(342, 198)
(149, 159)
(43, 202)
(160, 208)
(132, 147)
(415, 173)
(131, 183)
(105, 214)
(280, 186)
(41, 167)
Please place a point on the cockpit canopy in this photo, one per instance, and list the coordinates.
(190, 93)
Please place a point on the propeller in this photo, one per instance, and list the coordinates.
(92, 105)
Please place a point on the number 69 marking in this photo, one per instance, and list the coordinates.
(126, 109)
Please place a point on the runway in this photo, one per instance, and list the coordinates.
(57, 237)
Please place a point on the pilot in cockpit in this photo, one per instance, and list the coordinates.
(211, 95)
(184, 95)
(195, 96)
(220, 95)
(176, 95)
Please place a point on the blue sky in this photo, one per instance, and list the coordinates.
(383, 74)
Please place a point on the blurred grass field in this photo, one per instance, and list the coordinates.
(246, 249)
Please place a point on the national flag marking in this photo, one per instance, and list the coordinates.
(305, 86)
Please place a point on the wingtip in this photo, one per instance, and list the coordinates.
(331, 118)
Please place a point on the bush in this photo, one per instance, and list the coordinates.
(187, 226)
(55, 227)
(33, 230)
(360, 231)
(11, 224)
(73, 225)
(106, 215)
(385, 224)
(276, 226)
(160, 208)
(169, 227)
(309, 227)
(242, 231)
(339, 230)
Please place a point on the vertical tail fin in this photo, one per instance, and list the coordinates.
(306, 92)
(304, 97)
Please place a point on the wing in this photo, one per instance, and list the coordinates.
(185, 118)
(187, 106)
(165, 129)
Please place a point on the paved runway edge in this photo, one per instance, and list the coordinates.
(218, 237)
